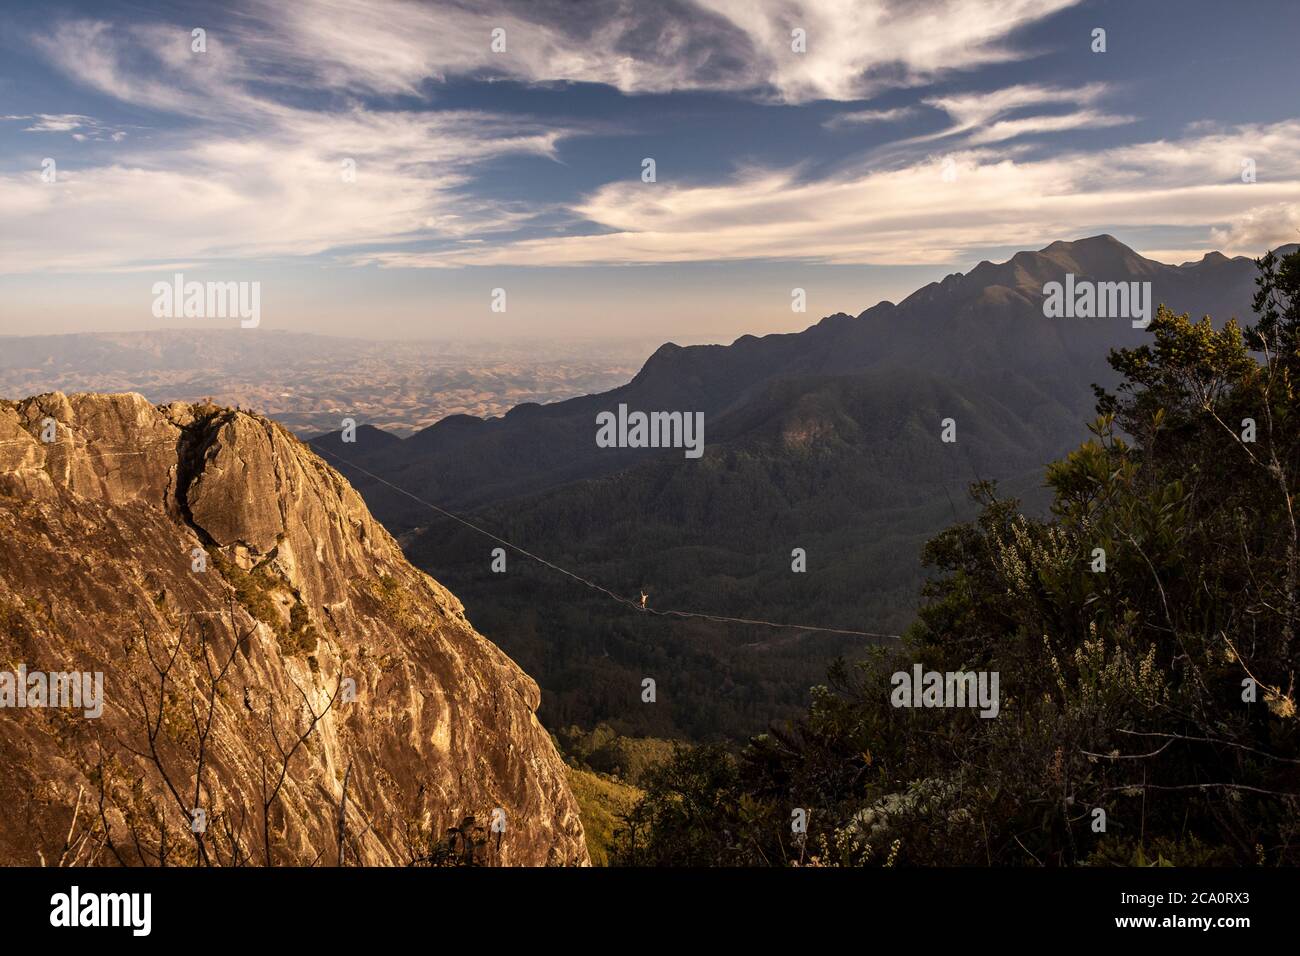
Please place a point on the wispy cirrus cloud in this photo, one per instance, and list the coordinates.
(80, 127)
(992, 116)
(281, 193)
(868, 117)
(241, 173)
(932, 211)
(854, 48)
(247, 159)
(988, 117)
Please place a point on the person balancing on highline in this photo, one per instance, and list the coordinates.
(644, 598)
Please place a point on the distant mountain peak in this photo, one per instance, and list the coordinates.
(1102, 240)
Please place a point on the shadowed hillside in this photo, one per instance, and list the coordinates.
(826, 440)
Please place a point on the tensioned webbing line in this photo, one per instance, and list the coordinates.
(636, 606)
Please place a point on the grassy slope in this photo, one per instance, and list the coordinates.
(601, 799)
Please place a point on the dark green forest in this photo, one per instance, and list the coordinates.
(826, 440)
(1147, 710)
(848, 468)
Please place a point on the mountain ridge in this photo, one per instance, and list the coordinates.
(827, 439)
(961, 326)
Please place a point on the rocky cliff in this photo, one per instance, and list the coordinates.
(269, 659)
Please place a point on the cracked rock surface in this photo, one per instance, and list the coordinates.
(101, 532)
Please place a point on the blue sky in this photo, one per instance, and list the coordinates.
(907, 141)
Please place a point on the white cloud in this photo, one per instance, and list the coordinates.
(281, 193)
(81, 127)
(45, 123)
(254, 177)
(1054, 123)
(1261, 228)
(913, 215)
(854, 47)
(985, 116)
(252, 172)
(867, 117)
(857, 48)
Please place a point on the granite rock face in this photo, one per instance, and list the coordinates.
(165, 546)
